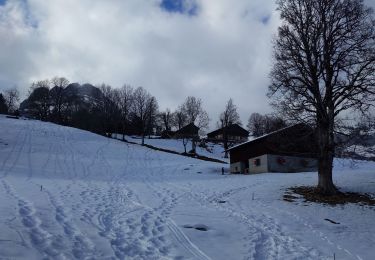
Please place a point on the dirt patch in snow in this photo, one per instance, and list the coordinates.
(200, 227)
(311, 194)
(196, 156)
(192, 155)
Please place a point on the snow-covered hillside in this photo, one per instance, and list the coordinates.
(70, 194)
(211, 150)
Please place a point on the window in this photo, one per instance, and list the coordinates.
(257, 162)
(281, 160)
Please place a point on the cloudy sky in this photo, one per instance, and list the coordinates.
(211, 49)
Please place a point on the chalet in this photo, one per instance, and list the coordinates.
(234, 132)
(167, 134)
(291, 149)
(188, 131)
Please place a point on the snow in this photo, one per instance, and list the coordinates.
(70, 194)
(215, 151)
(362, 151)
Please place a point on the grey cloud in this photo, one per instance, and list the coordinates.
(223, 52)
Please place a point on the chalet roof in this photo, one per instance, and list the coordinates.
(233, 129)
(190, 129)
(274, 133)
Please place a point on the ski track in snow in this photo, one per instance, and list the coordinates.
(42, 240)
(135, 226)
(319, 234)
(265, 239)
(20, 143)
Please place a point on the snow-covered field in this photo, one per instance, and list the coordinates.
(70, 194)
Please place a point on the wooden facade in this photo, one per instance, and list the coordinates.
(296, 141)
(234, 133)
(188, 131)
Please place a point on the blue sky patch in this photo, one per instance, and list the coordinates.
(188, 7)
(28, 16)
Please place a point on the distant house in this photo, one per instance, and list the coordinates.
(167, 134)
(188, 131)
(234, 132)
(291, 149)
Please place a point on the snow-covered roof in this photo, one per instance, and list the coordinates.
(264, 136)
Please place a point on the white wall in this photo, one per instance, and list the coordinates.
(240, 167)
(277, 163)
(291, 164)
(263, 167)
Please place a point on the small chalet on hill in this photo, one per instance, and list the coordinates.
(234, 133)
(188, 131)
(291, 149)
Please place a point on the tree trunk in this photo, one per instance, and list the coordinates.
(225, 143)
(124, 125)
(193, 145)
(143, 132)
(225, 149)
(325, 184)
(326, 154)
(184, 142)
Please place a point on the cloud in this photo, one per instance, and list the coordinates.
(223, 50)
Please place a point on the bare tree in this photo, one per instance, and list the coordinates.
(39, 99)
(141, 109)
(125, 103)
(166, 118)
(273, 123)
(195, 114)
(3, 105)
(152, 109)
(259, 125)
(179, 118)
(109, 109)
(228, 117)
(202, 121)
(193, 110)
(185, 141)
(255, 124)
(324, 65)
(59, 98)
(12, 97)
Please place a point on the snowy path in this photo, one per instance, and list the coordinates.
(70, 194)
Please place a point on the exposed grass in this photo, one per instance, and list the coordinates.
(196, 156)
(312, 194)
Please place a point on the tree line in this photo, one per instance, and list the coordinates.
(127, 110)
(107, 110)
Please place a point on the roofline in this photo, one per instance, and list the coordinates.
(218, 130)
(264, 136)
